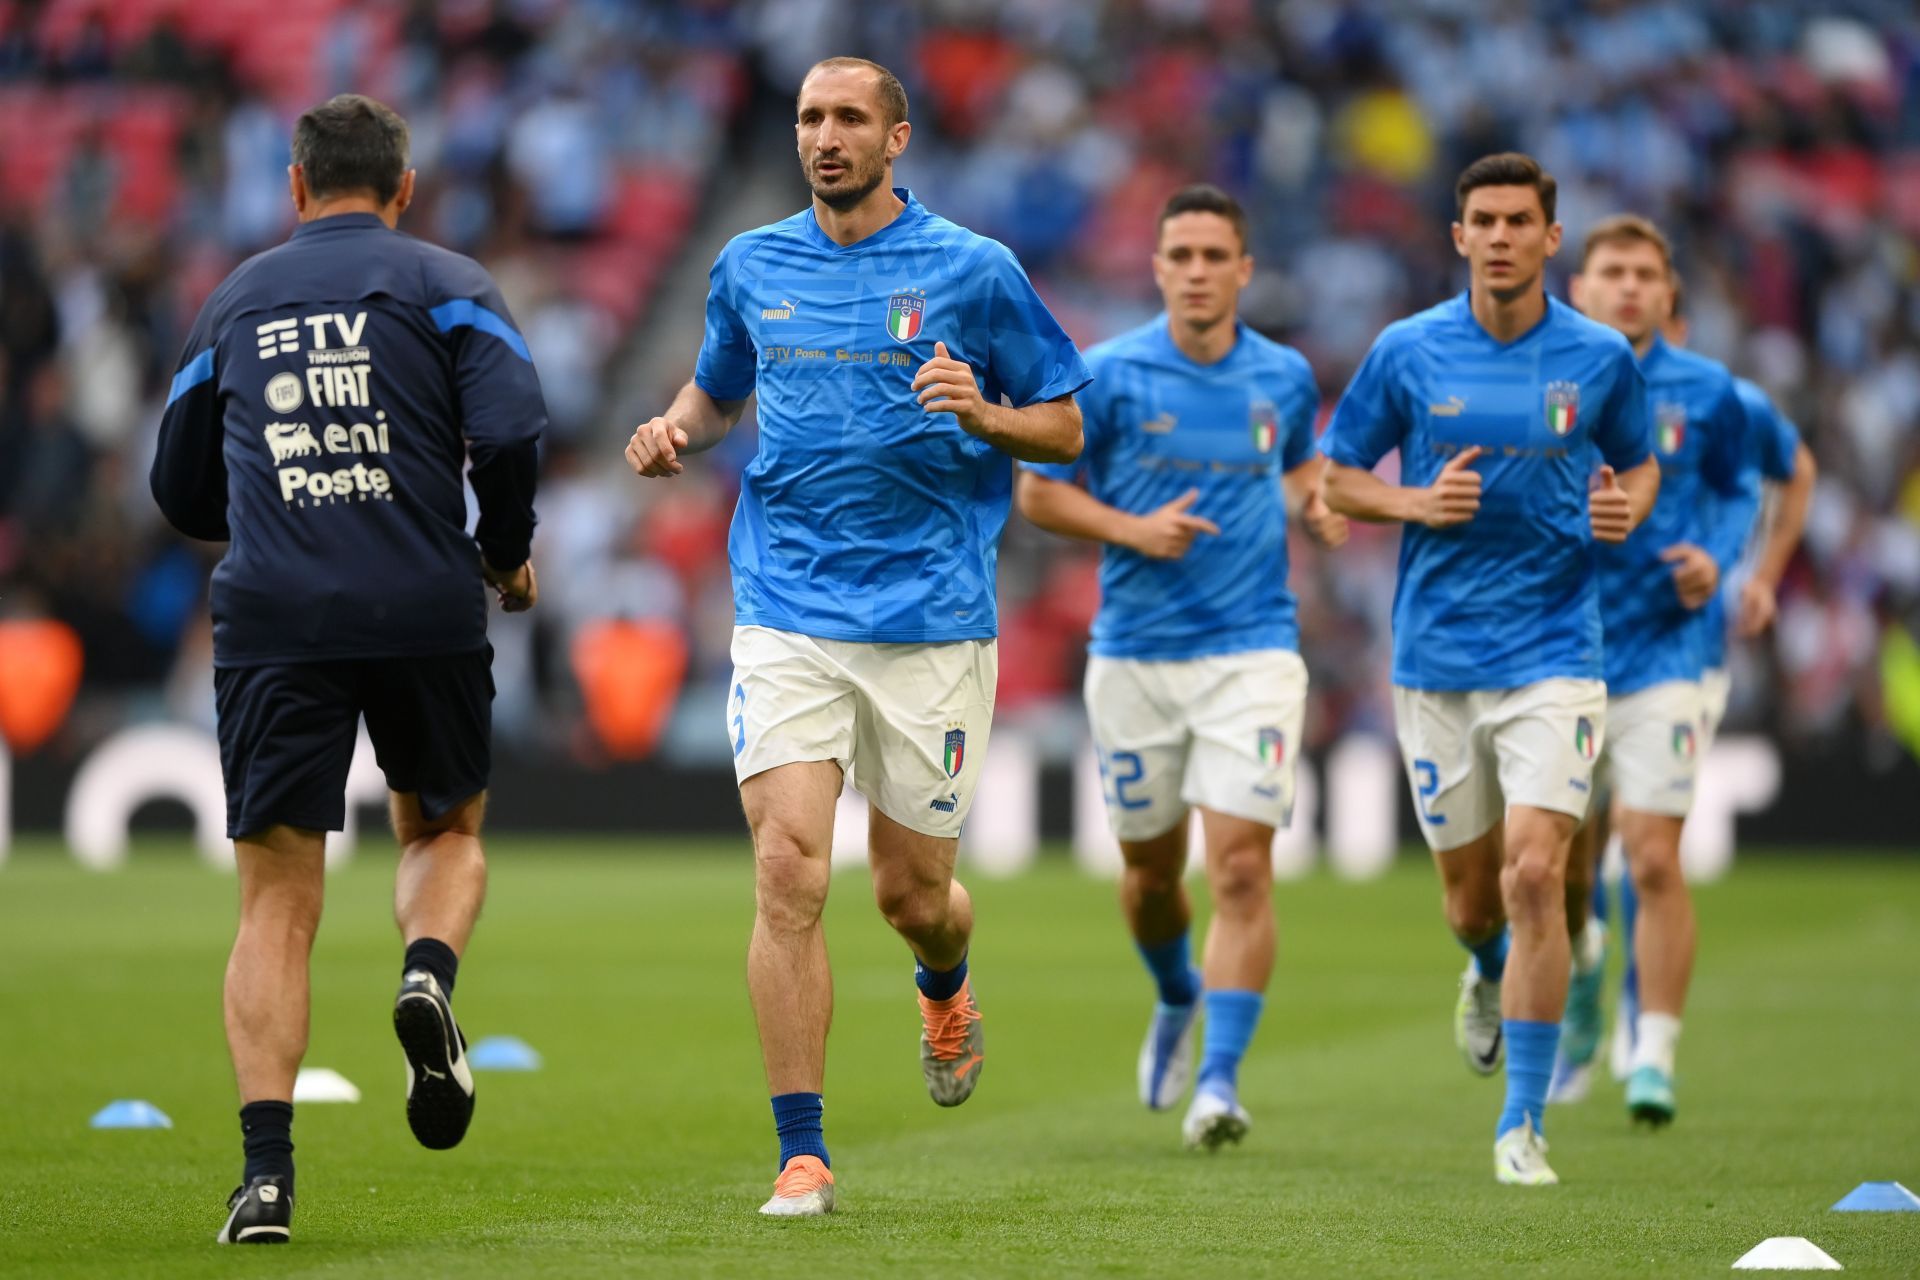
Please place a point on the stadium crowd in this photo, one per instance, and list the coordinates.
(572, 147)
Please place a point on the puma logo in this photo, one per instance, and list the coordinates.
(960, 1072)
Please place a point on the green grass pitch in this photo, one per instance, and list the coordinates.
(645, 1144)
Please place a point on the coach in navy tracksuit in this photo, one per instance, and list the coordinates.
(330, 394)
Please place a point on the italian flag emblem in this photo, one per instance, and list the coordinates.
(1683, 741)
(905, 312)
(956, 751)
(1273, 748)
(1563, 406)
(1264, 420)
(1583, 738)
(1670, 421)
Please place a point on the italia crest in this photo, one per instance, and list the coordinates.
(1264, 420)
(1583, 740)
(1670, 427)
(905, 313)
(1563, 406)
(956, 751)
(1273, 748)
(1683, 741)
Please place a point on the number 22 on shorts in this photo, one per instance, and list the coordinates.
(1427, 783)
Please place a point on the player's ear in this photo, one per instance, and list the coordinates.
(1577, 290)
(403, 198)
(297, 188)
(1459, 239)
(897, 139)
(1553, 239)
(1245, 275)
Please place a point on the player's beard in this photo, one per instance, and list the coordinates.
(864, 174)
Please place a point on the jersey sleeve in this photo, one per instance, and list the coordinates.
(1369, 422)
(1096, 426)
(1304, 404)
(1624, 434)
(1029, 356)
(189, 476)
(1774, 441)
(502, 412)
(1725, 466)
(728, 362)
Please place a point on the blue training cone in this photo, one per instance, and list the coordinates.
(130, 1113)
(1879, 1197)
(503, 1053)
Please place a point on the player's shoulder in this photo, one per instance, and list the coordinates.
(1138, 345)
(1273, 357)
(755, 242)
(970, 255)
(1577, 330)
(1754, 398)
(1420, 328)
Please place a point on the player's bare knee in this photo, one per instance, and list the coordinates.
(1152, 880)
(790, 886)
(1656, 872)
(1241, 879)
(1534, 886)
(914, 908)
(1474, 919)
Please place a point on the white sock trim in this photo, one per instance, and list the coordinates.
(1655, 1037)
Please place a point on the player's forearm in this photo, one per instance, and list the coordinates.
(1362, 495)
(1070, 511)
(504, 480)
(1044, 432)
(1300, 484)
(705, 419)
(1642, 484)
(1789, 520)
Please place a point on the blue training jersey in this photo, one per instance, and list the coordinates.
(863, 516)
(1700, 438)
(1157, 425)
(332, 391)
(1773, 445)
(1510, 597)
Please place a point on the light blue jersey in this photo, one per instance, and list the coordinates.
(1157, 425)
(864, 517)
(1510, 597)
(1773, 445)
(1700, 438)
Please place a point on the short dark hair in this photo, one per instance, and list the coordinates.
(1626, 228)
(892, 95)
(1506, 169)
(1204, 197)
(351, 143)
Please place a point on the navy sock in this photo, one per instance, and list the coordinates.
(1490, 956)
(1231, 1019)
(437, 958)
(1530, 1050)
(266, 1131)
(799, 1118)
(1171, 964)
(939, 984)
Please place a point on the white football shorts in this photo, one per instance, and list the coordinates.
(907, 723)
(1471, 753)
(1655, 737)
(1221, 732)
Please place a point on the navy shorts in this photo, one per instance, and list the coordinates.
(287, 733)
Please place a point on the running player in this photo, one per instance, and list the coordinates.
(1199, 436)
(882, 340)
(331, 392)
(1498, 401)
(1655, 589)
(1778, 457)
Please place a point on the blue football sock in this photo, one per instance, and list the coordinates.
(1598, 905)
(1490, 956)
(1530, 1050)
(1231, 1019)
(1171, 964)
(798, 1119)
(940, 984)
